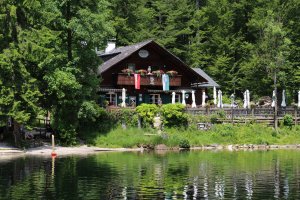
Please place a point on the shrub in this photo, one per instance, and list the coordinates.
(147, 112)
(174, 115)
(125, 115)
(288, 120)
(221, 114)
(89, 112)
(91, 117)
(184, 143)
(67, 134)
(214, 119)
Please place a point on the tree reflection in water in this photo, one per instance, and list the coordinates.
(188, 175)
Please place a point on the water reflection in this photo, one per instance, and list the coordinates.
(189, 175)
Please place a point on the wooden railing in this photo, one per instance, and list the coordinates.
(125, 79)
(256, 114)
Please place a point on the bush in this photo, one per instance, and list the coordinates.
(125, 115)
(91, 117)
(288, 120)
(67, 135)
(174, 115)
(214, 119)
(89, 112)
(147, 112)
(184, 143)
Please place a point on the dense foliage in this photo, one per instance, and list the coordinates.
(147, 112)
(174, 115)
(241, 44)
(48, 62)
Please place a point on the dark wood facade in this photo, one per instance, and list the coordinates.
(113, 79)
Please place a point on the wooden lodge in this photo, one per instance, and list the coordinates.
(150, 60)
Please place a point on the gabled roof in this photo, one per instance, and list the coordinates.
(210, 81)
(121, 54)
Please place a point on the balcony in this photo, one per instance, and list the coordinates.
(124, 79)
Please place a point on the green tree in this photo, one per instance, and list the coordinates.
(272, 49)
(48, 60)
(25, 53)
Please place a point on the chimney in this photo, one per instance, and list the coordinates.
(111, 45)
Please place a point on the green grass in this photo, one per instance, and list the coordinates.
(218, 134)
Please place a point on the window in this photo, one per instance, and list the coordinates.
(132, 100)
(111, 97)
(131, 66)
(155, 99)
(177, 98)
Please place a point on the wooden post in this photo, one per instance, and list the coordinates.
(53, 143)
(296, 113)
(53, 154)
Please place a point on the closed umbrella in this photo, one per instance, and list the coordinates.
(193, 100)
(299, 99)
(203, 98)
(245, 99)
(173, 97)
(273, 99)
(283, 104)
(220, 103)
(123, 104)
(183, 97)
(215, 96)
(248, 99)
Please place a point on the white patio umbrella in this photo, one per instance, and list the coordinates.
(220, 103)
(248, 98)
(123, 104)
(215, 95)
(299, 99)
(193, 100)
(273, 99)
(183, 97)
(203, 98)
(173, 97)
(283, 103)
(245, 99)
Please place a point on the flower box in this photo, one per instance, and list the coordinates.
(147, 80)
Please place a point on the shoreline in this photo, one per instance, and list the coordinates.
(46, 150)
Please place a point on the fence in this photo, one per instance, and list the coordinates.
(240, 115)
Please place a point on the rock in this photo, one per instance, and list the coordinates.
(230, 147)
(161, 147)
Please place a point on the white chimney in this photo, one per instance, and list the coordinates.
(111, 45)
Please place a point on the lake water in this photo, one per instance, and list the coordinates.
(168, 175)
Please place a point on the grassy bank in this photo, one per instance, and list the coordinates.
(218, 134)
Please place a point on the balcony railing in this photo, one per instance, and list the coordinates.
(125, 79)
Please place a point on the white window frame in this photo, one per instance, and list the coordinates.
(177, 98)
(111, 97)
(154, 98)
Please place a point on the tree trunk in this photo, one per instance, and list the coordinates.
(17, 133)
(69, 32)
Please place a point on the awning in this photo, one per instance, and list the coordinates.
(109, 90)
(170, 91)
